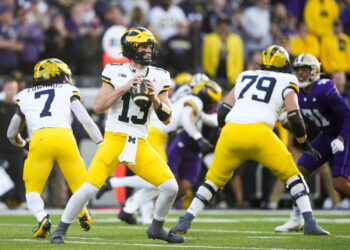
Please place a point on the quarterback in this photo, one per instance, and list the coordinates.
(320, 101)
(47, 110)
(126, 131)
(256, 102)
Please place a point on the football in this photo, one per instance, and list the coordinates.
(140, 94)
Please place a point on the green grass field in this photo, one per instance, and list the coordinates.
(212, 230)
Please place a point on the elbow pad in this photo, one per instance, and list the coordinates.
(163, 112)
(222, 113)
(297, 123)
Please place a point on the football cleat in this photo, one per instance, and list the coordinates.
(312, 228)
(106, 187)
(57, 238)
(183, 224)
(161, 234)
(43, 228)
(295, 223)
(84, 220)
(128, 218)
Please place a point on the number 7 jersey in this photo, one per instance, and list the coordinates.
(259, 96)
(47, 106)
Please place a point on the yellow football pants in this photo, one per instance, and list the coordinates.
(241, 142)
(149, 165)
(49, 145)
(158, 141)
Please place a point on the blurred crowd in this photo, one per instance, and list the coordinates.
(220, 38)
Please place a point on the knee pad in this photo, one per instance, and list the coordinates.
(297, 186)
(206, 192)
(169, 186)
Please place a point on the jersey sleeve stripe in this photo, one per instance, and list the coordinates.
(164, 89)
(77, 95)
(106, 79)
(17, 101)
(190, 103)
(294, 86)
(109, 83)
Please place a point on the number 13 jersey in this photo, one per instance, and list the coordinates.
(47, 106)
(259, 96)
(124, 115)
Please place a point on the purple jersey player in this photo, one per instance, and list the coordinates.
(321, 102)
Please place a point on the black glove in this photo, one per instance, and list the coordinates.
(307, 149)
(26, 145)
(204, 144)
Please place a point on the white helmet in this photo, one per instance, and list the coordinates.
(307, 60)
(199, 77)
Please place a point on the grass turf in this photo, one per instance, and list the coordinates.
(242, 230)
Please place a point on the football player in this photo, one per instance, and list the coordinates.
(320, 101)
(47, 109)
(126, 131)
(185, 151)
(256, 101)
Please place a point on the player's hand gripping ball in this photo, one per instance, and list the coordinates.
(140, 94)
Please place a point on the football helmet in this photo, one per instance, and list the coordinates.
(209, 92)
(132, 39)
(275, 58)
(307, 60)
(50, 71)
(199, 77)
(183, 78)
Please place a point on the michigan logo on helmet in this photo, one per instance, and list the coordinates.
(182, 78)
(209, 92)
(307, 60)
(50, 71)
(199, 77)
(135, 37)
(275, 58)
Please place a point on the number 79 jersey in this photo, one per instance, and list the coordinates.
(47, 106)
(259, 96)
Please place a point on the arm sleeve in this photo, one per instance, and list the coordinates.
(187, 124)
(88, 124)
(13, 129)
(210, 119)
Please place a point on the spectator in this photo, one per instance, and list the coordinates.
(179, 51)
(115, 16)
(32, 37)
(335, 50)
(37, 13)
(8, 5)
(339, 79)
(10, 44)
(305, 42)
(223, 54)
(320, 15)
(58, 44)
(163, 19)
(91, 49)
(138, 17)
(279, 15)
(296, 8)
(13, 155)
(256, 24)
(212, 12)
(291, 29)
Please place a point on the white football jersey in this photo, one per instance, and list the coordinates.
(259, 96)
(47, 106)
(180, 92)
(124, 115)
(177, 111)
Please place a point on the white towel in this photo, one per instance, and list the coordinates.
(129, 151)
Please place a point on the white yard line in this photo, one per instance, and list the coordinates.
(147, 245)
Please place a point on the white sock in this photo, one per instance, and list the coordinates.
(78, 201)
(167, 194)
(296, 212)
(36, 205)
(130, 181)
(197, 205)
(139, 198)
(146, 211)
(303, 201)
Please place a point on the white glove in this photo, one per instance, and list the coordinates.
(337, 146)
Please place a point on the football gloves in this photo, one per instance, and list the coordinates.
(204, 144)
(307, 149)
(337, 146)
